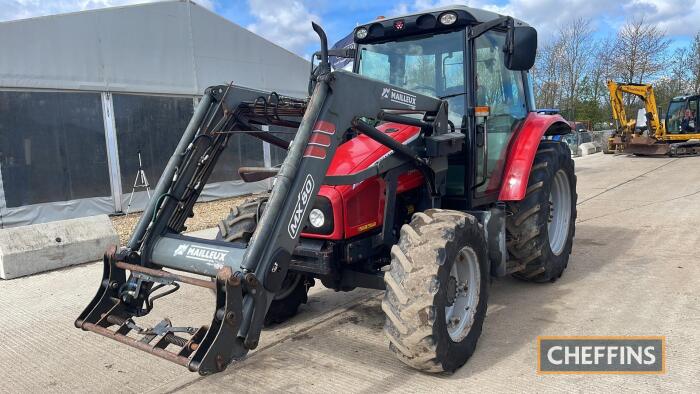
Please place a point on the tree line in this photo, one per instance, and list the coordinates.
(572, 69)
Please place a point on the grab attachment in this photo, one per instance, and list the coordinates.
(204, 349)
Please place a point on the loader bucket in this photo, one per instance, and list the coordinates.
(205, 349)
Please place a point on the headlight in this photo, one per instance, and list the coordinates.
(317, 218)
(448, 18)
(320, 220)
(361, 33)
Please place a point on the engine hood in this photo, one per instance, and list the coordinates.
(361, 152)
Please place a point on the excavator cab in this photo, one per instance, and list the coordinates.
(682, 115)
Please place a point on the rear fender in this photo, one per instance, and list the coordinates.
(522, 152)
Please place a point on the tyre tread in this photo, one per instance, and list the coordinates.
(408, 301)
(526, 227)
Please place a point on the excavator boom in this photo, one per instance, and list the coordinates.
(646, 93)
(657, 141)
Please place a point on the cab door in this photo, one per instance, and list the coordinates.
(502, 91)
(694, 107)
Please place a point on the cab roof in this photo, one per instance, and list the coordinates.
(685, 97)
(478, 14)
(424, 22)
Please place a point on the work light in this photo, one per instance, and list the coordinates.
(361, 33)
(448, 18)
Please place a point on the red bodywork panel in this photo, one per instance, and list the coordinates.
(522, 153)
(359, 208)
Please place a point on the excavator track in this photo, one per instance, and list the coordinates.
(688, 148)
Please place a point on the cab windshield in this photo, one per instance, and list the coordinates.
(432, 65)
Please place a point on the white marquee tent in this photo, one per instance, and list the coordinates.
(82, 94)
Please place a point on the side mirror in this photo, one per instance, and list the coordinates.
(521, 48)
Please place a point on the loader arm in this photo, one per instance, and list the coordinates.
(158, 256)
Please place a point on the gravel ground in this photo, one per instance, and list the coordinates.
(206, 215)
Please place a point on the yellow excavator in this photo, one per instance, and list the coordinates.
(678, 135)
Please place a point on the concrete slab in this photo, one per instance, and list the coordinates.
(43, 247)
(587, 148)
(633, 271)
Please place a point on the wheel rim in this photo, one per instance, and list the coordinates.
(463, 294)
(288, 286)
(559, 212)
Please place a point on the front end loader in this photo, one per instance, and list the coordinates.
(403, 175)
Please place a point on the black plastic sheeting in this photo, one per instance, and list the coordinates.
(277, 154)
(53, 153)
(52, 147)
(151, 125)
(242, 150)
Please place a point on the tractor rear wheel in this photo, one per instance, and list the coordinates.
(237, 228)
(540, 227)
(437, 290)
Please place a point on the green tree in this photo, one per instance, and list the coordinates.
(695, 63)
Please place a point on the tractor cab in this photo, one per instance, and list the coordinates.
(475, 60)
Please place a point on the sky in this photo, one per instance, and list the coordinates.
(288, 22)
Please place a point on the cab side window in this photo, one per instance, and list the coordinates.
(691, 124)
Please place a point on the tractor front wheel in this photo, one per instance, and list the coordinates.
(237, 228)
(437, 290)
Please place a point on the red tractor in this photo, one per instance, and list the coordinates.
(423, 172)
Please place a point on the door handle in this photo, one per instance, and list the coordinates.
(482, 141)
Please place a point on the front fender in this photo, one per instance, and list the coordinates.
(522, 152)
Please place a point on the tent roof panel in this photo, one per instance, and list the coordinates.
(172, 47)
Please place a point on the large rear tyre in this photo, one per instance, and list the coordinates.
(237, 228)
(437, 290)
(540, 229)
(241, 222)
